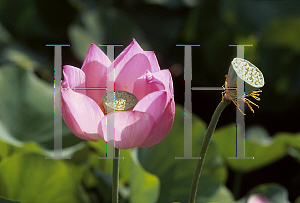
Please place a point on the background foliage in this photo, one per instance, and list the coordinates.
(152, 174)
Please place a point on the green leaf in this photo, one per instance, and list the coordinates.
(5, 36)
(103, 164)
(144, 186)
(176, 174)
(4, 200)
(82, 37)
(258, 144)
(212, 191)
(105, 25)
(136, 184)
(23, 57)
(26, 110)
(173, 4)
(284, 33)
(297, 200)
(4, 149)
(32, 178)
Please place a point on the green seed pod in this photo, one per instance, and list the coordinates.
(246, 71)
(119, 101)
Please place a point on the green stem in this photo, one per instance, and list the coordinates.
(237, 184)
(210, 130)
(115, 185)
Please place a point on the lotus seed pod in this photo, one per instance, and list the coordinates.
(118, 101)
(246, 71)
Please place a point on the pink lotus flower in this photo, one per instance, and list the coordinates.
(257, 198)
(136, 72)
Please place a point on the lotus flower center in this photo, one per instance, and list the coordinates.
(118, 101)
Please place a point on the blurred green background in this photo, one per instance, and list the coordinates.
(152, 174)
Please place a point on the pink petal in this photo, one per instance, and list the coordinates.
(132, 49)
(74, 78)
(165, 77)
(81, 114)
(131, 70)
(153, 104)
(257, 198)
(162, 128)
(99, 93)
(141, 88)
(94, 67)
(131, 128)
(153, 61)
(150, 82)
(95, 54)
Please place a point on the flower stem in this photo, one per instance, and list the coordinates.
(210, 130)
(115, 184)
(238, 177)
